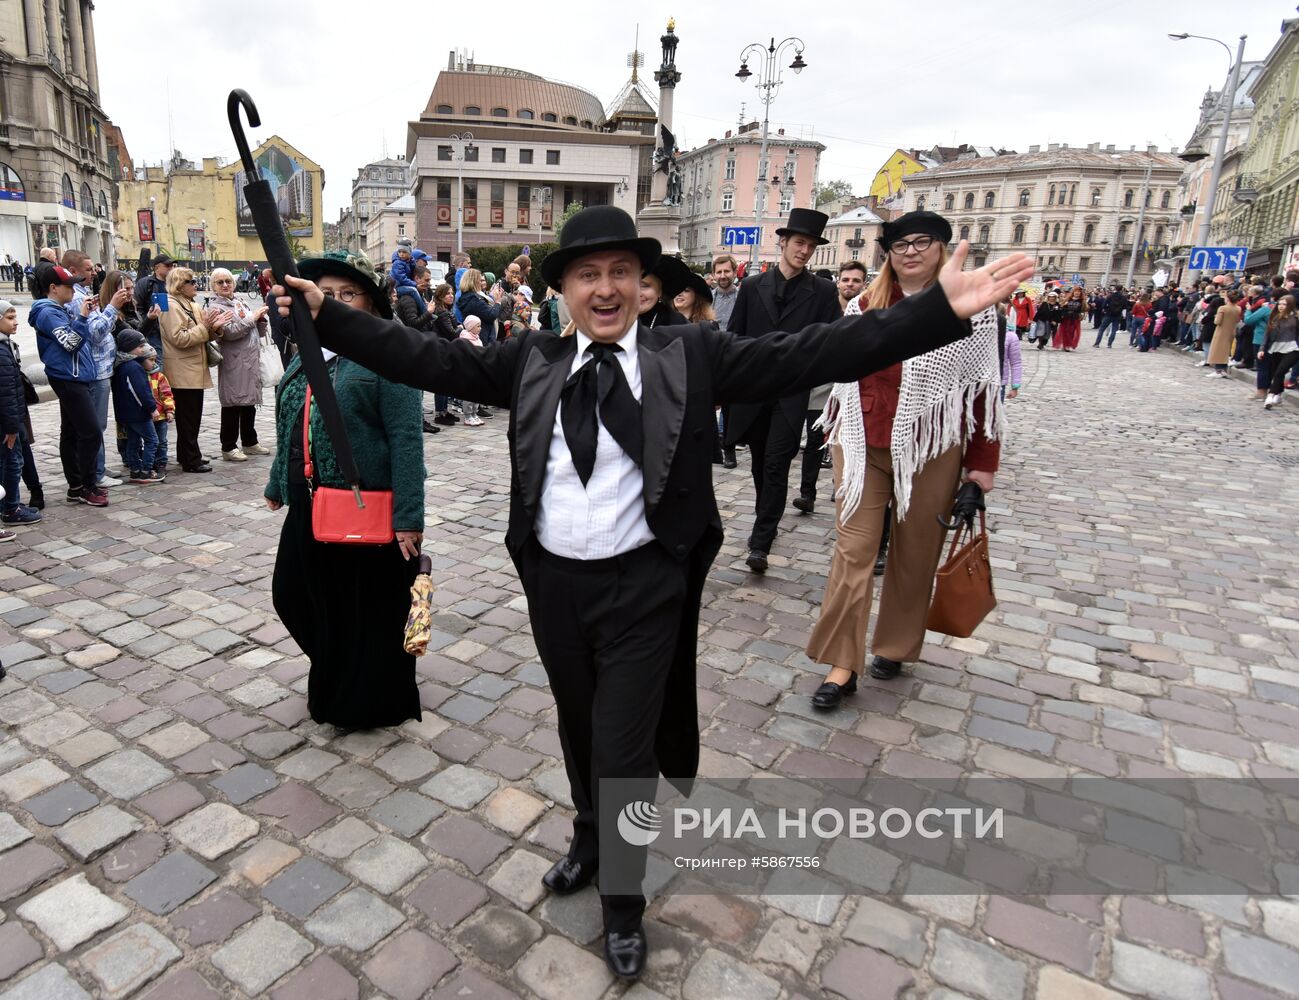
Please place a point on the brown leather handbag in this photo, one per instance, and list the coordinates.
(963, 594)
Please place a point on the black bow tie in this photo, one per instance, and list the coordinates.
(598, 393)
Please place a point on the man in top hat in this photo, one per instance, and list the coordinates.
(613, 524)
(784, 297)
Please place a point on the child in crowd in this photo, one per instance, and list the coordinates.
(472, 329)
(522, 310)
(164, 414)
(134, 406)
(13, 426)
(1012, 367)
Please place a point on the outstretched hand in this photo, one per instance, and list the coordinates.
(310, 291)
(970, 292)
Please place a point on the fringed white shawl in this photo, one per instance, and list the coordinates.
(935, 411)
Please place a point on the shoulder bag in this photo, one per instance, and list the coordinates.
(963, 594)
(355, 516)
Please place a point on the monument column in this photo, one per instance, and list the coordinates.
(661, 218)
(92, 57)
(76, 40)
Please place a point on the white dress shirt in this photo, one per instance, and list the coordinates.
(606, 517)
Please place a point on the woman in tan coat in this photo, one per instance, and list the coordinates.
(185, 331)
(1224, 335)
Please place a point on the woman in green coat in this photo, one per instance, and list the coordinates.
(346, 605)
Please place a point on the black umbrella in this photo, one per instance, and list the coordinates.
(299, 325)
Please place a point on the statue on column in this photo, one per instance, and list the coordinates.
(665, 159)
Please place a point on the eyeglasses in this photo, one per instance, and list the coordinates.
(189, 281)
(920, 244)
(345, 295)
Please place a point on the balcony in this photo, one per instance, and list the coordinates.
(1246, 191)
(855, 244)
(1188, 211)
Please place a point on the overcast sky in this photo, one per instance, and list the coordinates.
(337, 79)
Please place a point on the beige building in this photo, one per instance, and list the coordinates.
(537, 146)
(1074, 209)
(376, 186)
(60, 156)
(720, 190)
(203, 204)
(385, 227)
(853, 236)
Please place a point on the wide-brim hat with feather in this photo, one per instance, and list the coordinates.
(674, 275)
(595, 230)
(353, 266)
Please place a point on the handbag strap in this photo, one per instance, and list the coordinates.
(958, 535)
(307, 469)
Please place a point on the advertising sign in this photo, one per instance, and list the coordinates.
(292, 186)
(144, 224)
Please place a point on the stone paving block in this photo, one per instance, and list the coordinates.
(209, 758)
(405, 812)
(357, 920)
(861, 972)
(129, 858)
(576, 916)
(12, 752)
(173, 880)
(54, 729)
(719, 976)
(308, 764)
(1147, 973)
(553, 784)
(24, 867)
(18, 949)
(976, 968)
(271, 745)
(388, 864)
(298, 809)
(459, 787)
(30, 780)
(407, 762)
(12, 833)
(409, 965)
(215, 918)
(320, 979)
(471, 985)
(174, 740)
(129, 959)
(518, 879)
(302, 887)
(86, 747)
(127, 773)
(556, 969)
(354, 786)
(498, 935)
(170, 802)
(447, 898)
(264, 860)
(56, 806)
(184, 984)
(245, 782)
(1044, 934)
(342, 839)
(463, 840)
(1054, 983)
(260, 954)
(513, 811)
(72, 912)
(53, 982)
(1260, 960)
(90, 835)
(714, 918)
(888, 928)
(214, 829)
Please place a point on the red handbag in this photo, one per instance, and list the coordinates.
(354, 517)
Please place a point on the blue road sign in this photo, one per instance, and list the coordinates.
(741, 236)
(1218, 258)
(1078, 279)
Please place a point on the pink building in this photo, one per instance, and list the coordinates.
(720, 182)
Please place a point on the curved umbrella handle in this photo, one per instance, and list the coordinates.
(239, 98)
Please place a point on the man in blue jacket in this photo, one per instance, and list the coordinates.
(64, 344)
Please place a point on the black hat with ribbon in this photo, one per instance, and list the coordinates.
(805, 222)
(916, 224)
(594, 230)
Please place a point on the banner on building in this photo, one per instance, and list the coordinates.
(144, 224)
(292, 187)
(197, 244)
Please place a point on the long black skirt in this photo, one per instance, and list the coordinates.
(346, 607)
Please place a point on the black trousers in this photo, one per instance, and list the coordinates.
(189, 414)
(606, 631)
(812, 455)
(1281, 365)
(237, 426)
(773, 443)
(79, 435)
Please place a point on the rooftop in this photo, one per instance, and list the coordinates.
(1062, 156)
(858, 217)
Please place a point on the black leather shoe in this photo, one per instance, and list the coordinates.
(625, 953)
(728, 458)
(805, 504)
(431, 428)
(884, 669)
(757, 561)
(567, 876)
(203, 467)
(829, 694)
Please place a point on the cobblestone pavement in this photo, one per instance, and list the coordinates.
(173, 826)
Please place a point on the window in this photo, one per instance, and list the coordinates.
(949, 202)
(1127, 198)
(401, 229)
(1163, 199)
(498, 154)
(1023, 198)
(103, 204)
(500, 113)
(498, 204)
(1050, 198)
(444, 204)
(87, 199)
(471, 154)
(1122, 236)
(586, 123)
(920, 203)
(969, 200)
(1046, 231)
(523, 206)
(786, 201)
(1149, 196)
(69, 197)
(525, 156)
(552, 157)
(965, 233)
(471, 204)
(473, 109)
(1084, 263)
(856, 233)
(1096, 197)
(1066, 232)
(730, 169)
(1089, 231)
(728, 201)
(570, 120)
(985, 234)
(989, 199)
(1018, 236)
(855, 255)
(444, 152)
(549, 116)
(1159, 235)
(1055, 233)
(791, 166)
(445, 109)
(1073, 192)
(526, 115)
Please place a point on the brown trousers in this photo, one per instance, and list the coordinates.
(916, 546)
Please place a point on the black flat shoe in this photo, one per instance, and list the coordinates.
(567, 876)
(728, 459)
(625, 953)
(884, 669)
(431, 428)
(805, 504)
(199, 468)
(829, 694)
(756, 561)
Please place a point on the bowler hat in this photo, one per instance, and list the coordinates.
(674, 274)
(916, 224)
(806, 222)
(696, 283)
(596, 229)
(353, 266)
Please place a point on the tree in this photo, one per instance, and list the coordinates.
(823, 194)
(570, 210)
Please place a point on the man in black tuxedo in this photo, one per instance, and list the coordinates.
(785, 297)
(613, 524)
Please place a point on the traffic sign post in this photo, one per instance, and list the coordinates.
(1218, 258)
(741, 236)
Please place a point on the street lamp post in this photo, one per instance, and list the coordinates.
(1141, 221)
(769, 84)
(153, 220)
(1220, 151)
(467, 138)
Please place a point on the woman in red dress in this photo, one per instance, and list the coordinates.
(1069, 331)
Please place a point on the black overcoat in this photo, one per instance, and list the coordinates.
(685, 370)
